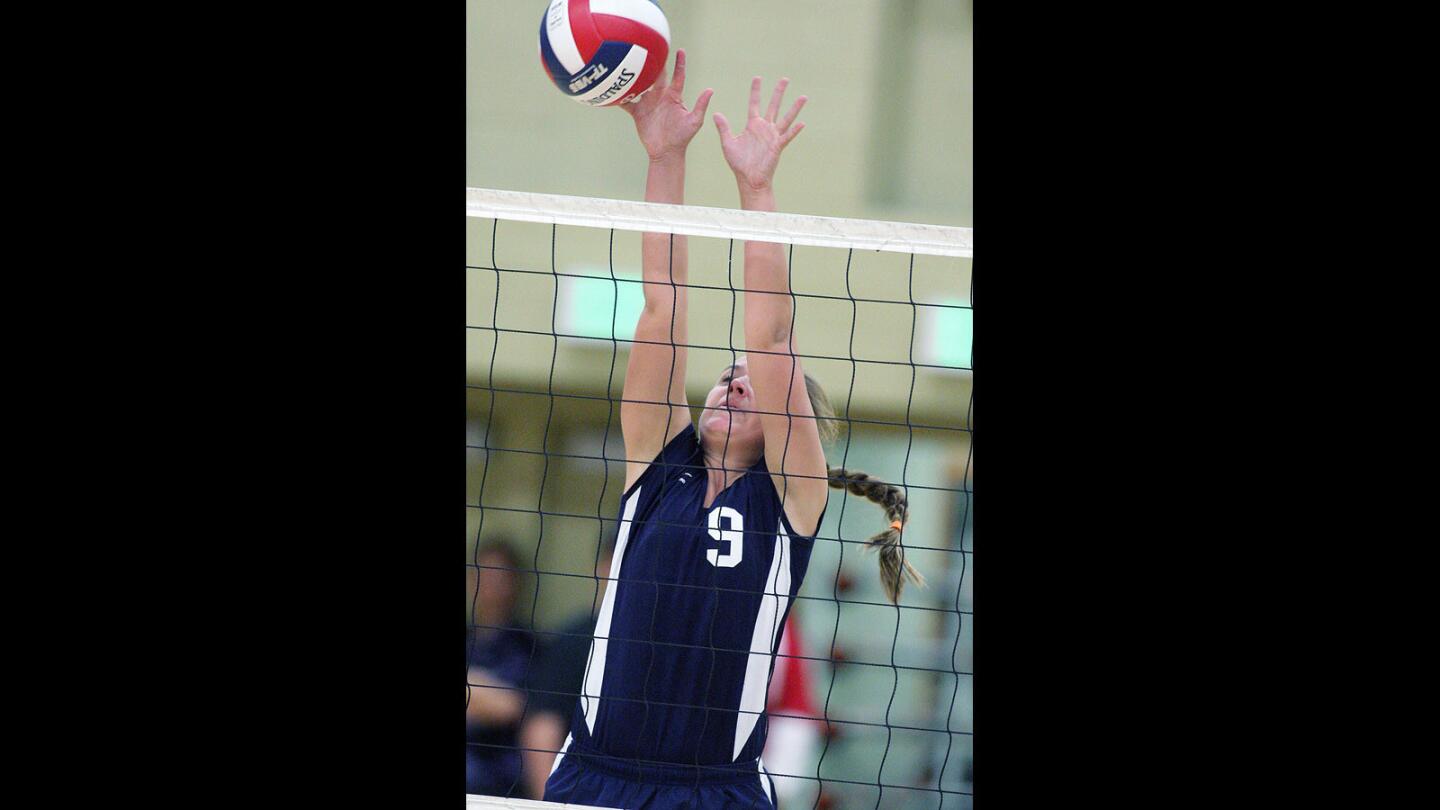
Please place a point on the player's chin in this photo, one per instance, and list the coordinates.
(720, 423)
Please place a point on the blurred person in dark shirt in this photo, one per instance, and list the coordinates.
(555, 683)
(498, 655)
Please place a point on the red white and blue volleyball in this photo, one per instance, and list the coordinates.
(604, 52)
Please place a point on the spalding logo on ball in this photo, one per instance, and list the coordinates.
(603, 52)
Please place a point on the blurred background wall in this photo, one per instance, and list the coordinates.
(888, 136)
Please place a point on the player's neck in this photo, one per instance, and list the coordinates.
(722, 471)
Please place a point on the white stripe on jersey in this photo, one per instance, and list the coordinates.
(595, 669)
(560, 756)
(762, 641)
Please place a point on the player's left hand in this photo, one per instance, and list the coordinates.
(664, 125)
(755, 152)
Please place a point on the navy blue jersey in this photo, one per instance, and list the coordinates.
(685, 641)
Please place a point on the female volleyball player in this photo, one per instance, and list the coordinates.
(717, 519)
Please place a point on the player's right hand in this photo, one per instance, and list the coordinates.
(663, 123)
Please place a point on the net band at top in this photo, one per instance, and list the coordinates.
(473, 802)
(723, 223)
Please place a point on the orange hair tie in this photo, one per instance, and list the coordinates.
(896, 525)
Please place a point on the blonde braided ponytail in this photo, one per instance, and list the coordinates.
(894, 568)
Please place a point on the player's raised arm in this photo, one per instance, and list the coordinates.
(656, 373)
(793, 451)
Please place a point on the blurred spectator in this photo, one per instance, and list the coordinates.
(498, 655)
(555, 683)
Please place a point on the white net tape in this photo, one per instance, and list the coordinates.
(724, 223)
(473, 802)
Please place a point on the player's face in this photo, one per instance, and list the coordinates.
(730, 408)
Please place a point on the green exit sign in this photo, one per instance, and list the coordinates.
(598, 307)
(947, 334)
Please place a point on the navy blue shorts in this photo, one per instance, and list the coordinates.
(589, 778)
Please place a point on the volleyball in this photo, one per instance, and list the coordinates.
(604, 52)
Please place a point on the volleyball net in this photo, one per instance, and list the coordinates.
(869, 702)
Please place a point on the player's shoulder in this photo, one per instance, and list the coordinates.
(758, 500)
(678, 456)
(684, 444)
(765, 504)
(760, 486)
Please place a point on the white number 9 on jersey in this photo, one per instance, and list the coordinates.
(734, 536)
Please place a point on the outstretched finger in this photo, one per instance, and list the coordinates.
(678, 81)
(755, 97)
(702, 103)
(775, 100)
(790, 136)
(722, 126)
(794, 111)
